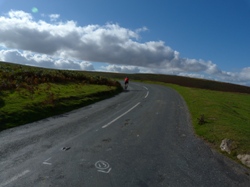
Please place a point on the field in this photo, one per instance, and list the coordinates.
(218, 110)
(225, 115)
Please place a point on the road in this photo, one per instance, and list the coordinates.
(142, 137)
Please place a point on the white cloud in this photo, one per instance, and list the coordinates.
(109, 43)
(59, 44)
(54, 17)
(19, 15)
(141, 29)
(245, 74)
(121, 69)
(43, 60)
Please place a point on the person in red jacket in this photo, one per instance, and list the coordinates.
(126, 81)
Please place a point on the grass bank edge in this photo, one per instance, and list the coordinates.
(39, 111)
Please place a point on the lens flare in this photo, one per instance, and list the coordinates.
(34, 10)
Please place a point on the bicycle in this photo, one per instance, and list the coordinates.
(125, 86)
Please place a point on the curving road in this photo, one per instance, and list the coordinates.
(141, 137)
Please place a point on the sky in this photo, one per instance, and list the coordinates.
(207, 39)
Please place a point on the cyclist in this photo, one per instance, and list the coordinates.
(126, 81)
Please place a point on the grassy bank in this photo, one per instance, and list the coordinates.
(226, 115)
(21, 107)
(28, 94)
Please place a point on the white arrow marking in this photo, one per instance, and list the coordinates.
(47, 163)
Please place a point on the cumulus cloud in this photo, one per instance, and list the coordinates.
(42, 60)
(121, 69)
(67, 45)
(108, 43)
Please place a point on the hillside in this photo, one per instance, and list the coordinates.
(181, 81)
(28, 94)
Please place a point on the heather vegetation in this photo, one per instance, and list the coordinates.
(18, 76)
(28, 94)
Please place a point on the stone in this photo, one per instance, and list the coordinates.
(245, 159)
(227, 145)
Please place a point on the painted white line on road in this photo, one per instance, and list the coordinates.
(47, 163)
(14, 178)
(104, 126)
(147, 92)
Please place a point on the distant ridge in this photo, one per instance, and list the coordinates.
(172, 79)
(182, 81)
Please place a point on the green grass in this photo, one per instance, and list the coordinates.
(21, 107)
(28, 94)
(227, 115)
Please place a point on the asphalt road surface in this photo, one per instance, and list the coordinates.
(142, 137)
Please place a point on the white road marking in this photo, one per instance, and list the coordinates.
(102, 166)
(14, 178)
(104, 126)
(147, 92)
(47, 163)
(103, 171)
